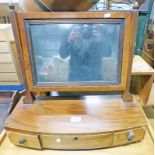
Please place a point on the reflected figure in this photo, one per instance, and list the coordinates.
(86, 48)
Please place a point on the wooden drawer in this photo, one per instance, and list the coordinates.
(10, 83)
(4, 47)
(6, 33)
(4, 77)
(76, 141)
(2, 35)
(7, 68)
(129, 136)
(26, 140)
(6, 58)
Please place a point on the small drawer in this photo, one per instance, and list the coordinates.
(7, 68)
(2, 35)
(4, 47)
(25, 140)
(73, 142)
(8, 77)
(6, 32)
(129, 136)
(6, 58)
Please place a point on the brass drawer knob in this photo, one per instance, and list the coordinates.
(131, 135)
(22, 141)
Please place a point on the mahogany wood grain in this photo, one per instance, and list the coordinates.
(103, 121)
(68, 16)
(134, 23)
(120, 138)
(29, 140)
(56, 5)
(146, 147)
(77, 141)
(98, 114)
(15, 26)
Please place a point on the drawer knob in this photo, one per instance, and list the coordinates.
(75, 138)
(22, 141)
(131, 135)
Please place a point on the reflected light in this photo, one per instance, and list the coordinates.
(65, 26)
(92, 100)
(54, 93)
(92, 104)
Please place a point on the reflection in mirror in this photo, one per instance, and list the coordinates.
(76, 52)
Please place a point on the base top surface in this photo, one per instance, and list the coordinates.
(86, 115)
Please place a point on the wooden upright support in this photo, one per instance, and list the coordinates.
(13, 18)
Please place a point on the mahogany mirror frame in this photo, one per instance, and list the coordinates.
(130, 21)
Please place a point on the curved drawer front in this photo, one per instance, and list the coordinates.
(25, 140)
(129, 136)
(77, 141)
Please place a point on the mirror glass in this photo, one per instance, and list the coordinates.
(84, 52)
